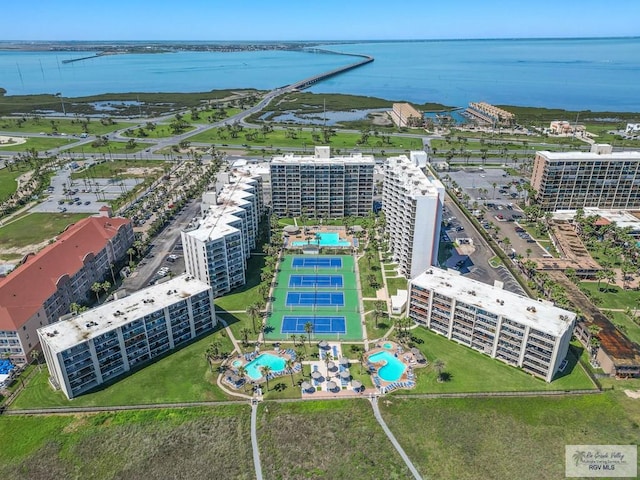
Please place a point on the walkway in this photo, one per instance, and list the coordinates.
(254, 440)
(392, 438)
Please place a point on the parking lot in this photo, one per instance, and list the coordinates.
(81, 196)
(479, 185)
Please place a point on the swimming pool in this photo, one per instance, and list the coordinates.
(392, 370)
(388, 346)
(326, 239)
(266, 359)
(237, 363)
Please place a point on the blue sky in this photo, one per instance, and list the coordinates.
(323, 20)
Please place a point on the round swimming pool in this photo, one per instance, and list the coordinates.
(393, 368)
(266, 359)
(237, 363)
(388, 346)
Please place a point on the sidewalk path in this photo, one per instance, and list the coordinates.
(376, 412)
(254, 441)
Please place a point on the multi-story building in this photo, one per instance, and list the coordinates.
(489, 114)
(217, 245)
(600, 178)
(322, 185)
(102, 344)
(412, 202)
(40, 291)
(512, 328)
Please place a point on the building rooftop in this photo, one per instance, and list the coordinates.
(24, 291)
(589, 156)
(354, 159)
(542, 316)
(412, 178)
(67, 333)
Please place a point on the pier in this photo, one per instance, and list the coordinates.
(71, 60)
(307, 82)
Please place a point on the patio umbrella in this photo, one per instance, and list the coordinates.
(345, 374)
(323, 344)
(331, 385)
(357, 384)
(316, 375)
(344, 361)
(331, 365)
(305, 386)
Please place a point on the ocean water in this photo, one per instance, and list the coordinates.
(595, 74)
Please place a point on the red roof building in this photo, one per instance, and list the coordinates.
(39, 291)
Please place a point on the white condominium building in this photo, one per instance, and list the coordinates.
(216, 247)
(600, 178)
(322, 185)
(412, 203)
(103, 343)
(517, 330)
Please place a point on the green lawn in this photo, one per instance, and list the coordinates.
(120, 169)
(241, 297)
(214, 113)
(8, 183)
(279, 138)
(161, 130)
(63, 125)
(384, 324)
(111, 147)
(630, 329)
(151, 444)
(612, 296)
(181, 376)
(325, 439)
(500, 438)
(366, 268)
(396, 283)
(36, 227)
(471, 371)
(237, 322)
(40, 144)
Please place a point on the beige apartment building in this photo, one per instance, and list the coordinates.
(600, 178)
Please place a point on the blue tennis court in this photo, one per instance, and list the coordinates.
(319, 299)
(315, 281)
(320, 324)
(316, 262)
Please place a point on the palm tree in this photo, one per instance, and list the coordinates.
(361, 359)
(96, 288)
(439, 367)
(75, 308)
(294, 339)
(245, 336)
(379, 306)
(301, 356)
(308, 328)
(106, 285)
(254, 311)
(242, 373)
(289, 364)
(266, 370)
(130, 252)
(35, 356)
(301, 339)
(327, 358)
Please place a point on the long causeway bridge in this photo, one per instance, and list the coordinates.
(307, 82)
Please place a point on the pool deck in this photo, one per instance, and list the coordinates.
(308, 235)
(344, 388)
(242, 360)
(407, 380)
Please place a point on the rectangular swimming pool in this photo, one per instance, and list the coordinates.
(324, 239)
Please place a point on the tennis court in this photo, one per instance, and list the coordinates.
(316, 262)
(320, 325)
(317, 299)
(320, 287)
(316, 281)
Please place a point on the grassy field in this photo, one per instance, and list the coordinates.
(366, 268)
(278, 138)
(626, 325)
(111, 147)
(62, 125)
(332, 439)
(118, 168)
(152, 444)
(612, 296)
(205, 114)
(472, 371)
(240, 298)
(396, 283)
(182, 376)
(40, 144)
(36, 227)
(8, 184)
(161, 130)
(500, 438)
(384, 324)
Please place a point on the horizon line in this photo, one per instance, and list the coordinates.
(367, 40)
